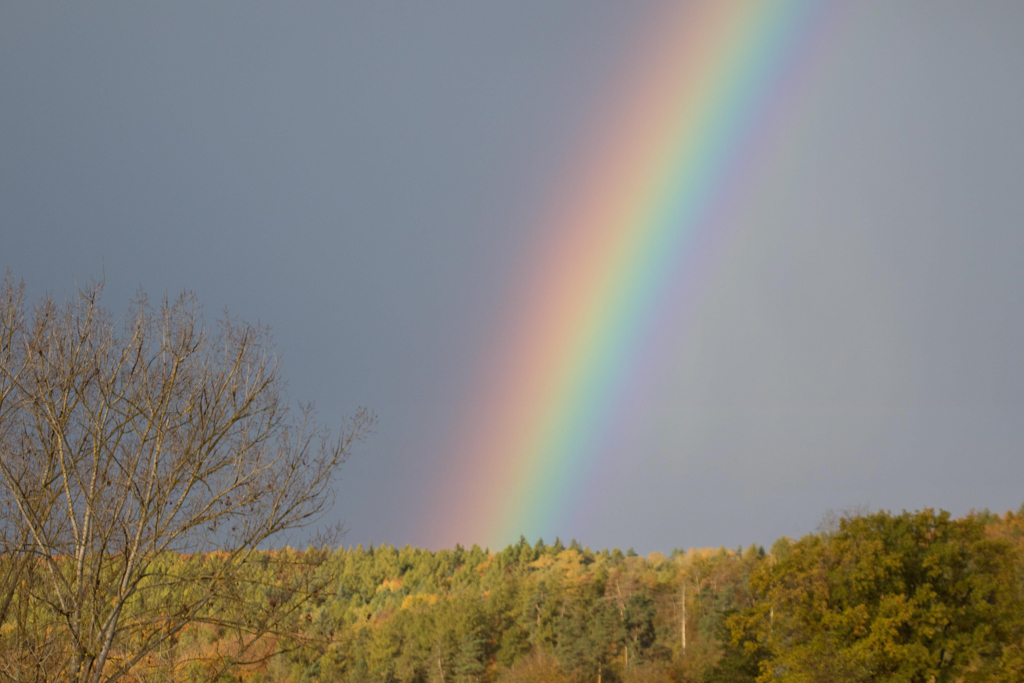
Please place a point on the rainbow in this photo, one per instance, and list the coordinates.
(655, 172)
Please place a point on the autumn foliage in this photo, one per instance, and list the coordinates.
(915, 596)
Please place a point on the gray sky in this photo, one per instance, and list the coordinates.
(363, 177)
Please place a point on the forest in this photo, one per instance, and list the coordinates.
(915, 596)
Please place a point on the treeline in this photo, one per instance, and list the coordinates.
(916, 596)
(910, 597)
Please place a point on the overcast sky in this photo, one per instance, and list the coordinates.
(363, 177)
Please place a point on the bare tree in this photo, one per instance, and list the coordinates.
(129, 451)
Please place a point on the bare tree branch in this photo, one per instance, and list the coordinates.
(124, 445)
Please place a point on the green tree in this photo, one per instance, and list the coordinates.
(469, 662)
(913, 597)
(638, 625)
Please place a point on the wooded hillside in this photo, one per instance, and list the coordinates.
(910, 597)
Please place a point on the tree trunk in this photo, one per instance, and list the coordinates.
(683, 620)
